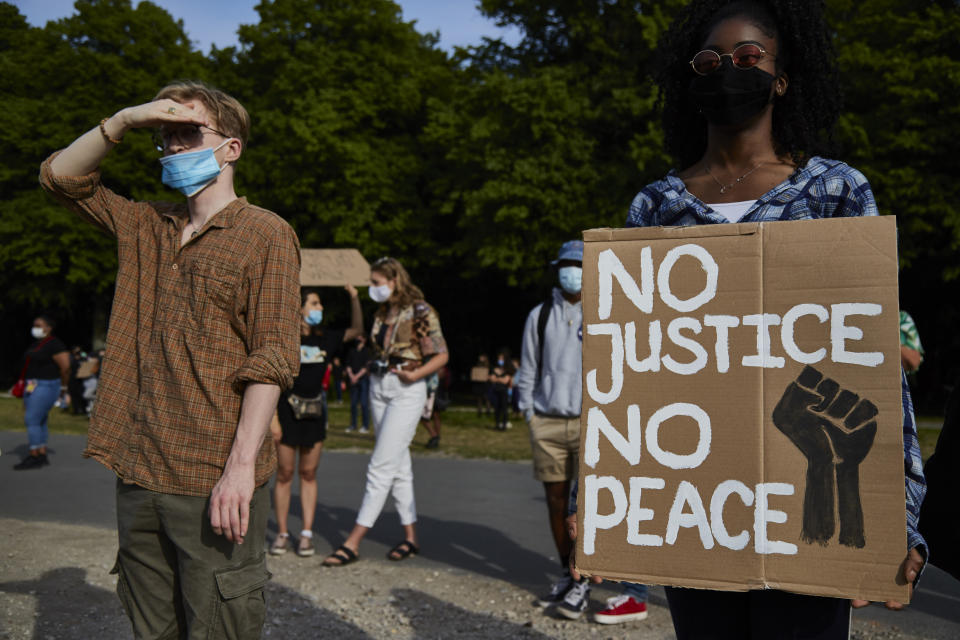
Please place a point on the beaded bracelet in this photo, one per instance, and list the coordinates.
(106, 135)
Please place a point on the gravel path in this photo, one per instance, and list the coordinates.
(54, 583)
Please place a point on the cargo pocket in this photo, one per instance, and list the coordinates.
(123, 589)
(240, 606)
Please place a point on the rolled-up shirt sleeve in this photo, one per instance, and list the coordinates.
(427, 331)
(87, 197)
(273, 315)
(915, 484)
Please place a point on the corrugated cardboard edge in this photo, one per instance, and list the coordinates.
(608, 234)
(753, 585)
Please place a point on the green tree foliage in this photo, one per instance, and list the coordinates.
(58, 81)
(470, 168)
(900, 65)
(551, 136)
(338, 92)
(900, 68)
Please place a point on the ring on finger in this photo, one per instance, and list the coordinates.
(172, 110)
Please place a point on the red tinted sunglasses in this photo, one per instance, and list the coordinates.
(743, 57)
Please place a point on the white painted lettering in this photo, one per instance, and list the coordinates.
(687, 494)
(616, 364)
(787, 335)
(674, 460)
(717, 502)
(840, 333)
(637, 514)
(609, 268)
(709, 266)
(763, 358)
(722, 324)
(655, 339)
(763, 514)
(629, 447)
(593, 520)
(699, 353)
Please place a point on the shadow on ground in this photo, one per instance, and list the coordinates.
(460, 545)
(433, 618)
(67, 606)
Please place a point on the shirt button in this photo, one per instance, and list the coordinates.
(174, 266)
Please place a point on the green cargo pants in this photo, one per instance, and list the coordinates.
(176, 578)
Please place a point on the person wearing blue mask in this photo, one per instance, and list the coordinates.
(203, 336)
(299, 426)
(549, 387)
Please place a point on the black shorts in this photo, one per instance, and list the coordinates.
(300, 433)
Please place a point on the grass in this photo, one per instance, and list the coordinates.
(11, 419)
(463, 433)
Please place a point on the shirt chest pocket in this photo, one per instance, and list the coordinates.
(214, 292)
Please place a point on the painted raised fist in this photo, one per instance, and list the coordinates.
(834, 429)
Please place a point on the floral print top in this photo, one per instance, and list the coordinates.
(416, 334)
(909, 336)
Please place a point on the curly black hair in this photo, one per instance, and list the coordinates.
(803, 118)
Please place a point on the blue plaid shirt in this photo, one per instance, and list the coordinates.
(822, 189)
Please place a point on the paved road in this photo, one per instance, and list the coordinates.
(475, 515)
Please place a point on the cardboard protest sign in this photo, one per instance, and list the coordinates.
(479, 374)
(333, 267)
(742, 418)
(88, 368)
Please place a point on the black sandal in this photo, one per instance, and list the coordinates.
(403, 550)
(344, 556)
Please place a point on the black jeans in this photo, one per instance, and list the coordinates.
(757, 615)
(501, 406)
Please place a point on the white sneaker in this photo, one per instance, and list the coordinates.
(556, 593)
(575, 601)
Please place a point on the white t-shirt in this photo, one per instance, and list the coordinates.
(732, 211)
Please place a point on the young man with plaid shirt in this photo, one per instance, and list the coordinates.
(202, 337)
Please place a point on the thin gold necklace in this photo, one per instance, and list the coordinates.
(725, 187)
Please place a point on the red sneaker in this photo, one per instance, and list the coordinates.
(621, 608)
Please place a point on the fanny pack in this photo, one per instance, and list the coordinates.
(378, 367)
(307, 408)
(381, 367)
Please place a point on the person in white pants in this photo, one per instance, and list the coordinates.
(409, 343)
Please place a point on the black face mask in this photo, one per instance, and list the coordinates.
(730, 95)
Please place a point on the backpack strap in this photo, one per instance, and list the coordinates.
(542, 318)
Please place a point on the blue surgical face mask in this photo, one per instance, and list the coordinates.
(314, 317)
(571, 279)
(189, 172)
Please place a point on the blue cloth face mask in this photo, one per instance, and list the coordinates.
(189, 172)
(571, 279)
(314, 317)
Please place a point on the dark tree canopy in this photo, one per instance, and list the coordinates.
(470, 167)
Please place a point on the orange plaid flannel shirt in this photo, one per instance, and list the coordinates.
(190, 327)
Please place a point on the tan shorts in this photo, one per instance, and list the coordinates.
(556, 446)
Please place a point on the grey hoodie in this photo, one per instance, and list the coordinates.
(558, 391)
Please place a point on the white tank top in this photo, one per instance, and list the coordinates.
(732, 211)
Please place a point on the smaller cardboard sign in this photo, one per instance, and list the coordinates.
(479, 374)
(88, 368)
(333, 268)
